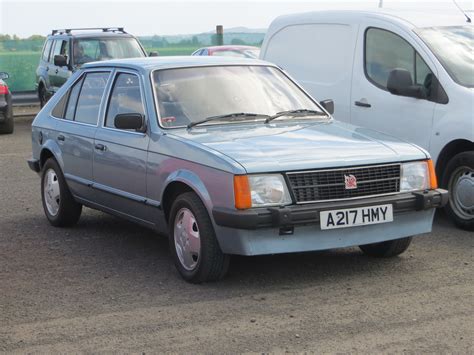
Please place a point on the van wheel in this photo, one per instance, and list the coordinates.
(7, 126)
(42, 96)
(58, 203)
(458, 179)
(386, 249)
(193, 242)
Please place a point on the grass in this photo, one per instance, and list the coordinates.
(22, 65)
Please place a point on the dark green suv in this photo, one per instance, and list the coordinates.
(66, 50)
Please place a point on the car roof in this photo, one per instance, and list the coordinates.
(152, 63)
(406, 18)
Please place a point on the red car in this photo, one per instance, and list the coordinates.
(230, 51)
(6, 112)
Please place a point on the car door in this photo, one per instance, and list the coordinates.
(120, 155)
(58, 75)
(381, 49)
(78, 113)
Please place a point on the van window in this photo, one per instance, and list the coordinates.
(46, 50)
(125, 98)
(385, 51)
(88, 104)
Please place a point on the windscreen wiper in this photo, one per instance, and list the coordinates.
(296, 113)
(230, 116)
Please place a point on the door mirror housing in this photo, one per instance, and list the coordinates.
(4, 75)
(60, 60)
(400, 83)
(153, 54)
(135, 121)
(328, 105)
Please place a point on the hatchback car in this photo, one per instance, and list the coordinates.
(6, 109)
(226, 156)
(67, 50)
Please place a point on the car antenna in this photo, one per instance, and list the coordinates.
(468, 19)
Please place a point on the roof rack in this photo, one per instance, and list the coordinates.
(104, 29)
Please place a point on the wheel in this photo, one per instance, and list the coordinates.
(58, 203)
(7, 126)
(193, 242)
(386, 249)
(458, 179)
(42, 96)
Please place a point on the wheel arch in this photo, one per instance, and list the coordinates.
(450, 150)
(51, 150)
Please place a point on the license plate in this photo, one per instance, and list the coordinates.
(353, 217)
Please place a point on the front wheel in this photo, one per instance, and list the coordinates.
(58, 203)
(386, 249)
(458, 179)
(193, 242)
(42, 96)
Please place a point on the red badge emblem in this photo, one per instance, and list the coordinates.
(350, 181)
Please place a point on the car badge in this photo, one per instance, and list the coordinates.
(350, 181)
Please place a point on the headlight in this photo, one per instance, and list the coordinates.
(260, 190)
(415, 176)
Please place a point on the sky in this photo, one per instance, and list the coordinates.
(148, 17)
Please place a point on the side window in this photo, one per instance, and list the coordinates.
(72, 101)
(46, 50)
(125, 98)
(56, 50)
(88, 103)
(385, 51)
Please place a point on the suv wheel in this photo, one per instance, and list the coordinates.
(458, 179)
(42, 96)
(193, 242)
(386, 249)
(58, 203)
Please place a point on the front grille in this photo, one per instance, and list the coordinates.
(312, 186)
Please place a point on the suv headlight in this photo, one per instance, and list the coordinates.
(417, 176)
(260, 190)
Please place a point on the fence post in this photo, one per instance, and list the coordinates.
(220, 35)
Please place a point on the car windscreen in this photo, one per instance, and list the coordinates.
(188, 95)
(246, 53)
(454, 48)
(97, 49)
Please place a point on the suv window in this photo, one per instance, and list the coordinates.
(60, 48)
(385, 51)
(125, 98)
(97, 49)
(88, 103)
(46, 50)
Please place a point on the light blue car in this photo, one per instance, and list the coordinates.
(226, 156)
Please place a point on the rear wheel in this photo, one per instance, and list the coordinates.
(458, 179)
(7, 126)
(58, 203)
(42, 95)
(386, 249)
(193, 242)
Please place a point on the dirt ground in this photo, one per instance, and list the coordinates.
(108, 285)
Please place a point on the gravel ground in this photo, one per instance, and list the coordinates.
(107, 285)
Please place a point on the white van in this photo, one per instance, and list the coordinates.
(408, 74)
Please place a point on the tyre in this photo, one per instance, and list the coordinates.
(42, 96)
(7, 126)
(386, 249)
(193, 242)
(458, 179)
(58, 203)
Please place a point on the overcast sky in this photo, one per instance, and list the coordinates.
(146, 17)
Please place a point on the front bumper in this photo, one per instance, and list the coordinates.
(290, 216)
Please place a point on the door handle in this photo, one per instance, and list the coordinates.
(56, 71)
(100, 147)
(362, 104)
(61, 138)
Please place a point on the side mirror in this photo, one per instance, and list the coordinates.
(328, 105)
(4, 75)
(60, 60)
(400, 83)
(153, 54)
(134, 121)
